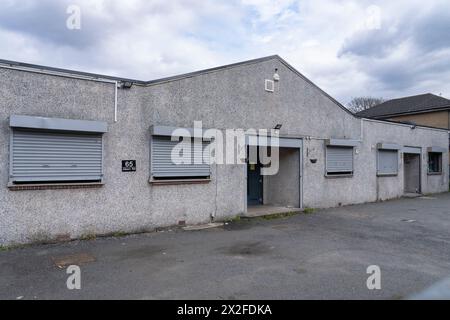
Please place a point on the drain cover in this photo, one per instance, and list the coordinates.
(427, 198)
(74, 259)
(408, 220)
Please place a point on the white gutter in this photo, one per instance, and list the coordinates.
(72, 76)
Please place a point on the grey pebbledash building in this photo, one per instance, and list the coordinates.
(68, 141)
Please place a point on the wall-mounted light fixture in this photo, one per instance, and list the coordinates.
(278, 127)
(276, 76)
(126, 84)
(412, 124)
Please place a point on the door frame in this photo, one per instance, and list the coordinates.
(285, 142)
(419, 155)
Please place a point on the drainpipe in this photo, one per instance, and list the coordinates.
(362, 131)
(116, 88)
(71, 76)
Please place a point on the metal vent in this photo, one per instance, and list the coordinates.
(270, 86)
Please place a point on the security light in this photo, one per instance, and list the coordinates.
(278, 127)
(127, 85)
(276, 76)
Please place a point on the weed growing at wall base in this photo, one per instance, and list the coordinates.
(279, 215)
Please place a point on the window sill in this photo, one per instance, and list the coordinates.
(337, 176)
(179, 182)
(435, 173)
(387, 175)
(54, 186)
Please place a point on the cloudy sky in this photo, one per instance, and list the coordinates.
(347, 47)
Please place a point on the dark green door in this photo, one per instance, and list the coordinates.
(254, 185)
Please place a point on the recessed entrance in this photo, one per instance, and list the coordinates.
(412, 172)
(277, 193)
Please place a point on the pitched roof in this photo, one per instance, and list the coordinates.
(92, 76)
(408, 105)
(62, 72)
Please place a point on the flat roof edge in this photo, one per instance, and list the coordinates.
(403, 124)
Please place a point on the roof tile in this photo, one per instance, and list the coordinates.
(413, 104)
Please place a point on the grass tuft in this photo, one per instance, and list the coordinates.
(119, 234)
(235, 219)
(279, 216)
(88, 237)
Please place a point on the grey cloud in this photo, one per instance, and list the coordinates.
(432, 32)
(413, 74)
(150, 39)
(45, 20)
(372, 43)
(428, 31)
(376, 52)
(396, 77)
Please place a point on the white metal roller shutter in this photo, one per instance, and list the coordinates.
(387, 161)
(163, 166)
(52, 157)
(339, 159)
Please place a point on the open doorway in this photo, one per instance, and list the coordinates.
(412, 173)
(278, 193)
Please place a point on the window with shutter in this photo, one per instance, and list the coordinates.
(339, 160)
(164, 167)
(434, 162)
(53, 156)
(387, 163)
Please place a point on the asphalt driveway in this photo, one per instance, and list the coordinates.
(323, 255)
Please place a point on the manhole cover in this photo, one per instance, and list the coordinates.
(74, 259)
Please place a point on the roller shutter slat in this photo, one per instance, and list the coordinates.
(339, 159)
(387, 161)
(163, 167)
(40, 157)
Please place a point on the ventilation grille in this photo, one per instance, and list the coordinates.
(270, 86)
